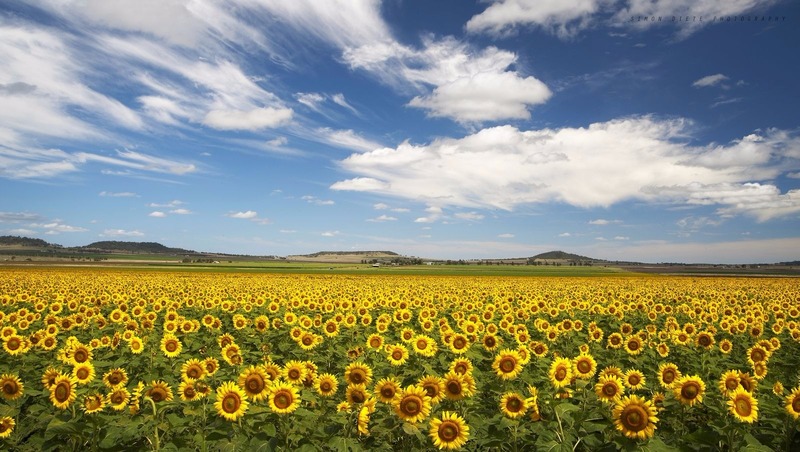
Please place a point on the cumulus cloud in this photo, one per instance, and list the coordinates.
(642, 158)
(330, 233)
(157, 214)
(565, 234)
(563, 18)
(382, 218)
(181, 211)
(468, 85)
(709, 80)
(57, 226)
(246, 215)
(121, 233)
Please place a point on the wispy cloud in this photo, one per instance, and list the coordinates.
(121, 233)
(122, 194)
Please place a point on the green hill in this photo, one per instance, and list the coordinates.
(13, 240)
(552, 255)
(135, 247)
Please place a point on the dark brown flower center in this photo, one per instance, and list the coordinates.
(411, 405)
(231, 403)
(743, 407)
(508, 364)
(254, 383)
(282, 400)
(690, 390)
(448, 431)
(62, 392)
(634, 418)
(514, 405)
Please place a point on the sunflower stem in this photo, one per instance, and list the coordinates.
(156, 443)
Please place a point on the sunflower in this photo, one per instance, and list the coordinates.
(83, 373)
(729, 382)
(704, 339)
(254, 383)
(424, 345)
(668, 373)
(119, 398)
(614, 340)
(778, 388)
(633, 344)
(326, 385)
(386, 389)
(743, 406)
(609, 388)
(231, 401)
(725, 346)
(358, 373)
(193, 370)
(49, 377)
(94, 403)
(747, 382)
(448, 432)
(295, 372)
(584, 366)
(507, 364)
(689, 390)
(756, 354)
(375, 341)
(412, 404)
(80, 354)
(136, 345)
(634, 380)
(513, 405)
(539, 349)
(458, 386)
(6, 426)
(159, 391)
(343, 407)
(433, 386)
(231, 353)
(461, 366)
(356, 394)
(188, 391)
(211, 365)
(397, 354)
(663, 349)
(272, 370)
(793, 403)
(283, 398)
(490, 342)
(62, 393)
(635, 417)
(11, 386)
(115, 377)
(459, 344)
(560, 372)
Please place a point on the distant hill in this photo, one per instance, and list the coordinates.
(13, 240)
(351, 253)
(135, 247)
(552, 255)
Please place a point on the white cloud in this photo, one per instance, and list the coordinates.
(310, 100)
(709, 80)
(339, 100)
(123, 194)
(181, 211)
(247, 215)
(382, 218)
(157, 214)
(346, 139)
(641, 158)
(121, 233)
(320, 202)
(255, 119)
(506, 236)
(621, 237)
(170, 204)
(563, 18)
(278, 142)
(469, 85)
(287, 231)
(730, 252)
(330, 233)
(474, 216)
(565, 234)
(21, 231)
(604, 222)
(57, 226)
(566, 18)
(380, 206)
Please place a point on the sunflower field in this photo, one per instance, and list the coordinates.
(141, 360)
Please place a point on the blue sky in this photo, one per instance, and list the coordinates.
(442, 129)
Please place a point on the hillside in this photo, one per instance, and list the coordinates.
(16, 241)
(135, 247)
(561, 255)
